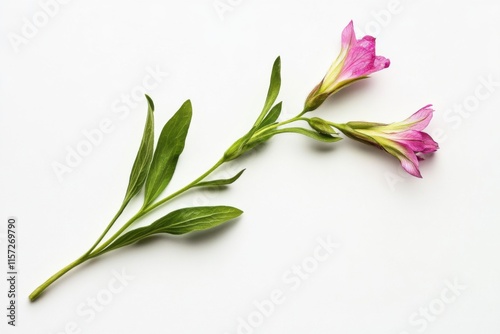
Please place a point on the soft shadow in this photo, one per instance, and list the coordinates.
(366, 149)
(322, 147)
(429, 156)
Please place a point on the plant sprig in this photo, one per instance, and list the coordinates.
(154, 167)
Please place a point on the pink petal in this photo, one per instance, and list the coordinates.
(348, 36)
(419, 120)
(418, 141)
(409, 160)
(429, 144)
(380, 63)
(361, 60)
(404, 135)
(407, 157)
(409, 166)
(412, 139)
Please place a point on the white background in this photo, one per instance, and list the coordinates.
(402, 240)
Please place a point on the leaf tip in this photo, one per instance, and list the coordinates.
(187, 107)
(150, 102)
(277, 64)
(187, 103)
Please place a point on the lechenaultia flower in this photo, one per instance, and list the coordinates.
(356, 61)
(405, 140)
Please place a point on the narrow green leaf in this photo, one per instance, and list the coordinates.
(274, 85)
(220, 182)
(142, 162)
(268, 134)
(179, 222)
(272, 116)
(273, 91)
(311, 134)
(169, 148)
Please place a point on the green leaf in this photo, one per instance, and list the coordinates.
(274, 85)
(142, 162)
(311, 134)
(273, 91)
(321, 126)
(169, 148)
(179, 222)
(272, 116)
(220, 182)
(239, 146)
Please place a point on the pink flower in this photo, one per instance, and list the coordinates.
(356, 61)
(405, 140)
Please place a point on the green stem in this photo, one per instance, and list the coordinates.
(186, 188)
(93, 252)
(336, 125)
(97, 251)
(153, 206)
(274, 126)
(111, 223)
(34, 295)
(302, 113)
